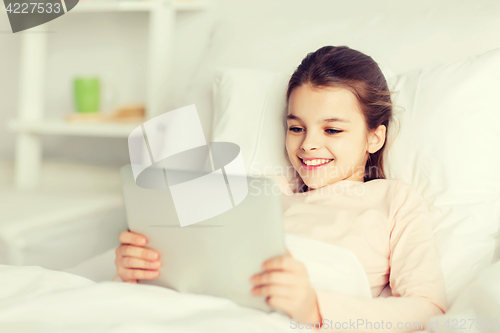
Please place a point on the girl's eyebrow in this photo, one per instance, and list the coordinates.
(329, 120)
(332, 120)
(291, 116)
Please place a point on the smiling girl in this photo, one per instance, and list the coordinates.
(338, 113)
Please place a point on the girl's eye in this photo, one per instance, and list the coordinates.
(296, 129)
(332, 131)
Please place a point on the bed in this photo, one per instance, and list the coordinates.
(445, 65)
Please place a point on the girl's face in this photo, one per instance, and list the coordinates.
(326, 137)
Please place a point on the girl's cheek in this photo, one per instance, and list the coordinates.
(289, 145)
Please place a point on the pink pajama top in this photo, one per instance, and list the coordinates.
(387, 225)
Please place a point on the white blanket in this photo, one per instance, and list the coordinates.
(477, 307)
(33, 299)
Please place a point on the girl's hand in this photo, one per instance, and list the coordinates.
(134, 261)
(286, 285)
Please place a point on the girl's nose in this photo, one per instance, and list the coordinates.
(308, 148)
(310, 144)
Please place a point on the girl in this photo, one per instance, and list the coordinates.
(338, 112)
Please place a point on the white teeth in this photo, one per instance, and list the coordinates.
(316, 161)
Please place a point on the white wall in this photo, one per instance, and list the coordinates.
(411, 34)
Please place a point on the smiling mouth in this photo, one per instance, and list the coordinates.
(314, 163)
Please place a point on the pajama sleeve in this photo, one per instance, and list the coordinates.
(416, 277)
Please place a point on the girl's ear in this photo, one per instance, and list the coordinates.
(376, 139)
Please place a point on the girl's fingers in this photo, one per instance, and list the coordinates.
(272, 290)
(138, 252)
(127, 274)
(274, 277)
(286, 263)
(128, 237)
(277, 302)
(131, 262)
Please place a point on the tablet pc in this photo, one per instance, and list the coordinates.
(218, 255)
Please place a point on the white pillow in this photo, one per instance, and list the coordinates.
(449, 113)
(249, 109)
(447, 149)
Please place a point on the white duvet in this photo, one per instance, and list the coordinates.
(34, 299)
(477, 307)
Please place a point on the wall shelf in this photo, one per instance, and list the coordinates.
(32, 121)
(135, 6)
(61, 127)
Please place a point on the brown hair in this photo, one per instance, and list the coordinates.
(341, 66)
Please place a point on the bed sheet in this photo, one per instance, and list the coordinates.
(35, 299)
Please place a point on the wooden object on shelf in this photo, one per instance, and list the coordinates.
(128, 113)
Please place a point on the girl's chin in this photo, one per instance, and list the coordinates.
(315, 183)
